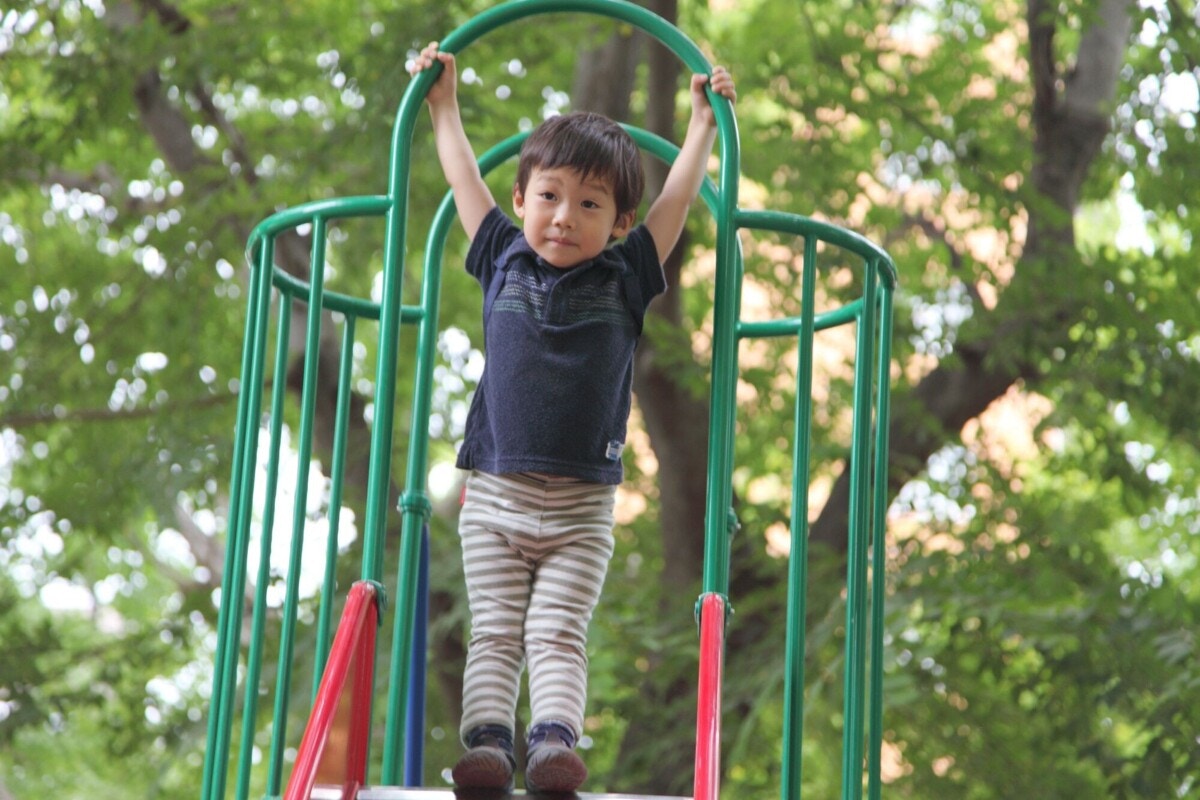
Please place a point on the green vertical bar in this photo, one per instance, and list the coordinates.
(239, 513)
(336, 472)
(879, 544)
(224, 681)
(856, 566)
(379, 479)
(414, 504)
(380, 468)
(796, 642)
(259, 613)
(726, 309)
(312, 358)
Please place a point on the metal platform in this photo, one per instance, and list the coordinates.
(406, 793)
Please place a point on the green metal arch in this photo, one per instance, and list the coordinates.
(871, 314)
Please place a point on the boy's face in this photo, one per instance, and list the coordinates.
(568, 220)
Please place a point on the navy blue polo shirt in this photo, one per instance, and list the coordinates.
(558, 375)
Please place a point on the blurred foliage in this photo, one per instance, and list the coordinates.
(1042, 570)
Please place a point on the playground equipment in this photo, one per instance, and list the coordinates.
(328, 764)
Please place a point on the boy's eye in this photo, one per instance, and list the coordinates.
(590, 204)
(546, 195)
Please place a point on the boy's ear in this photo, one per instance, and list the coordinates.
(518, 202)
(624, 224)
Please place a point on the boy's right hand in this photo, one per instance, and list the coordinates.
(472, 197)
(446, 85)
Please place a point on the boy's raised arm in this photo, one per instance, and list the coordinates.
(472, 197)
(666, 216)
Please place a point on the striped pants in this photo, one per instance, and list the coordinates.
(535, 553)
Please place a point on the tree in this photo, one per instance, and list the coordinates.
(986, 146)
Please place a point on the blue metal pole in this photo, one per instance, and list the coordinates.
(414, 740)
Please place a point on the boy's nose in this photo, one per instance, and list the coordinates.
(562, 217)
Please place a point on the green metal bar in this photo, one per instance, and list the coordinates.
(792, 326)
(304, 213)
(334, 301)
(337, 471)
(380, 466)
(800, 225)
(637, 16)
(795, 643)
(308, 402)
(343, 303)
(879, 545)
(326, 210)
(415, 503)
(224, 680)
(859, 534)
(726, 308)
(416, 506)
(239, 517)
(395, 236)
(263, 579)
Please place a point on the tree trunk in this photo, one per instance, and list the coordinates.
(1070, 124)
(616, 59)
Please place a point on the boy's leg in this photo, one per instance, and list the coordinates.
(498, 581)
(565, 592)
(575, 544)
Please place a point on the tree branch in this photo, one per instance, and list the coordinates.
(166, 125)
(58, 414)
(208, 550)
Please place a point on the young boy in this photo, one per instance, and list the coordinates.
(562, 315)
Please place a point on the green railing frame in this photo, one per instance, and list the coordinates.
(871, 314)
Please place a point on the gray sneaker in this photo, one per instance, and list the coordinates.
(552, 764)
(488, 762)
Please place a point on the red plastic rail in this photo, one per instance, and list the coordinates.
(708, 710)
(347, 678)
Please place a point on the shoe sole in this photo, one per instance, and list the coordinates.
(560, 771)
(482, 769)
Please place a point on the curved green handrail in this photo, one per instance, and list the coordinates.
(800, 225)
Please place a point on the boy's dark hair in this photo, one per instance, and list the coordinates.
(591, 144)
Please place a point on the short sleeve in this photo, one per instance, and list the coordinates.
(640, 253)
(496, 232)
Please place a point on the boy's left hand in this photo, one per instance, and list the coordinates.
(721, 83)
